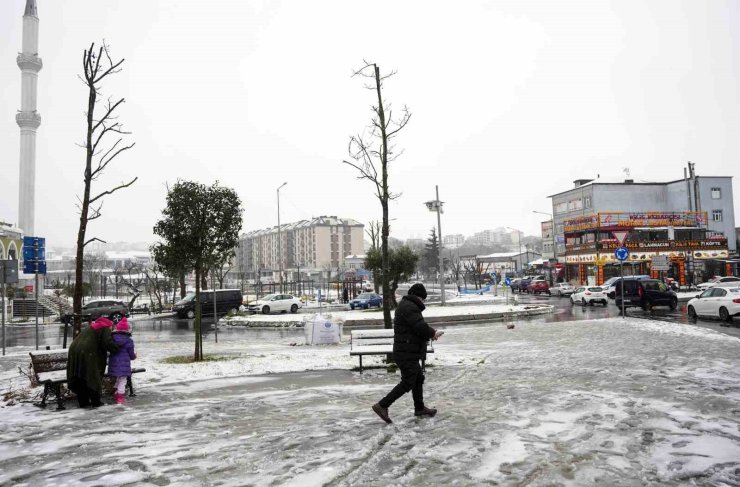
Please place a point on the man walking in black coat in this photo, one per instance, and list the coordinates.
(411, 333)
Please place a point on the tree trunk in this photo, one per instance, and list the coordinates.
(198, 355)
(183, 288)
(77, 298)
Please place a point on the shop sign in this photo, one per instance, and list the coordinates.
(712, 254)
(653, 219)
(586, 222)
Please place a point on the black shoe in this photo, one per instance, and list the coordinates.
(425, 412)
(382, 412)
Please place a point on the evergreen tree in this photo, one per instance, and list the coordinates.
(430, 259)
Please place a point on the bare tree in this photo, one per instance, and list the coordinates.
(97, 65)
(370, 154)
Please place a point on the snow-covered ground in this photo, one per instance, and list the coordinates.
(612, 401)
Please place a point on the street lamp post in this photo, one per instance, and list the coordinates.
(280, 238)
(436, 205)
(552, 231)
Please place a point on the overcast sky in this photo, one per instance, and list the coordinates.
(511, 101)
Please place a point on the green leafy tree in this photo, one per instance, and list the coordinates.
(403, 262)
(200, 224)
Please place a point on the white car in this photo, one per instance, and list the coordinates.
(718, 280)
(276, 302)
(588, 295)
(562, 289)
(716, 302)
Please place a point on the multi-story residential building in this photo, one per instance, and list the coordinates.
(308, 246)
(453, 241)
(689, 220)
(496, 236)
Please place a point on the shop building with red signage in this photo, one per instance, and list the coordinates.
(687, 220)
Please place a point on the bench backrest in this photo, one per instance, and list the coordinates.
(363, 338)
(48, 361)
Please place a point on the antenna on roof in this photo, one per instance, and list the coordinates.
(626, 171)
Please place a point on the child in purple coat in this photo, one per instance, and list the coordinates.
(119, 363)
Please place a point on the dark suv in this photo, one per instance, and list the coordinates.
(645, 293)
(109, 308)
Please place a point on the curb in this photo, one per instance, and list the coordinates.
(438, 320)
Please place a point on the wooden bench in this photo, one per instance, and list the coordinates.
(50, 369)
(375, 342)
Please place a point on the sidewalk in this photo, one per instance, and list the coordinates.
(612, 401)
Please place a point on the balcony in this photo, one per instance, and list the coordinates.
(26, 62)
(28, 119)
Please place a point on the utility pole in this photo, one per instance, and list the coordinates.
(280, 238)
(436, 205)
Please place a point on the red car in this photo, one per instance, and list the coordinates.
(537, 287)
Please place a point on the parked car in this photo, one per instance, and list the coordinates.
(227, 301)
(276, 302)
(716, 302)
(562, 289)
(92, 310)
(611, 283)
(516, 284)
(366, 300)
(538, 287)
(588, 295)
(645, 293)
(717, 280)
(524, 284)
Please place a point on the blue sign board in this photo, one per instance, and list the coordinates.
(508, 281)
(622, 253)
(34, 267)
(34, 255)
(32, 241)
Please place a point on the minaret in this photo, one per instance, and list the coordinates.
(28, 119)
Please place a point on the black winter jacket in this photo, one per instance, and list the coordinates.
(411, 332)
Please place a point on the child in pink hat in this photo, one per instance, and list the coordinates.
(119, 363)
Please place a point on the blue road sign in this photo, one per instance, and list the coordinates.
(622, 253)
(508, 281)
(34, 267)
(31, 241)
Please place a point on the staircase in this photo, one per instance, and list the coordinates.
(56, 303)
(26, 308)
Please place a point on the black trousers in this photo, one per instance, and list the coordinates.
(85, 396)
(412, 379)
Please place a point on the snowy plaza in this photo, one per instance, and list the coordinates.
(606, 401)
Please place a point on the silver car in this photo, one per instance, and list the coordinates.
(562, 289)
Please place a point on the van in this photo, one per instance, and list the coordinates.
(227, 301)
(645, 293)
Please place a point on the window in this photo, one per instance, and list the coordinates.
(587, 202)
(716, 193)
(561, 207)
(717, 215)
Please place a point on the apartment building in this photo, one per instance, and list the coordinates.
(690, 220)
(308, 246)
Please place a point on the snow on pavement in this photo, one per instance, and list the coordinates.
(607, 401)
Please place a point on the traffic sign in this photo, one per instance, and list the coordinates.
(621, 236)
(659, 263)
(622, 253)
(32, 241)
(34, 267)
(508, 281)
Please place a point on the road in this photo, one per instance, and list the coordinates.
(565, 311)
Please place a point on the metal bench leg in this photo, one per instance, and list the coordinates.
(360, 363)
(130, 386)
(58, 392)
(43, 396)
